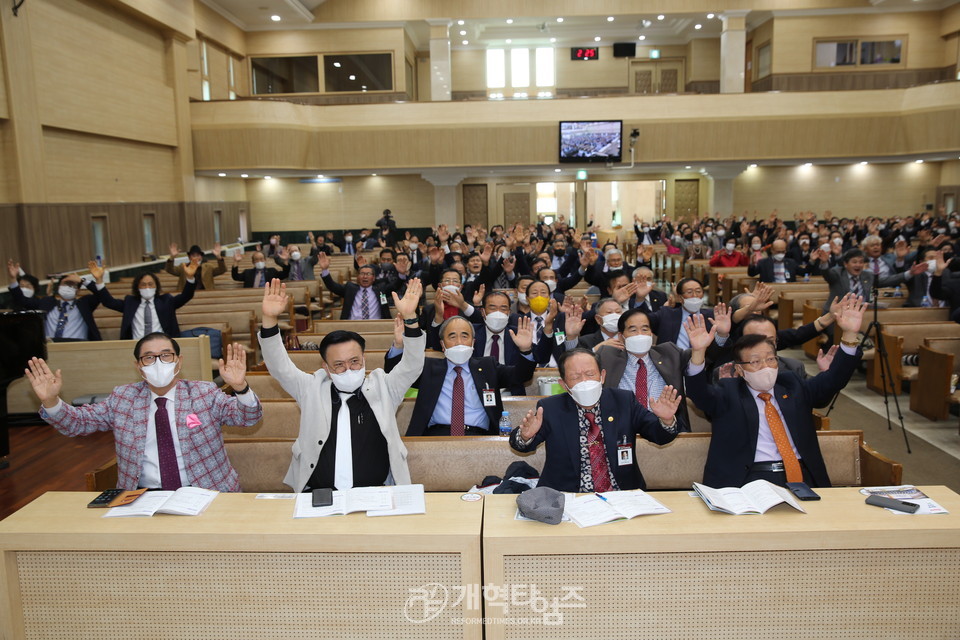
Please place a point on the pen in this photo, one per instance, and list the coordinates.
(601, 497)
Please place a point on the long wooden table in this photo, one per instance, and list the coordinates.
(245, 568)
(842, 570)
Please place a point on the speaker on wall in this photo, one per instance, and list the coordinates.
(624, 50)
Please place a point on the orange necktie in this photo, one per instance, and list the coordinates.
(790, 463)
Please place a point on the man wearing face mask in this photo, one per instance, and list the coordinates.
(607, 316)
(919, 286)
(633, 363)
(259, 275)
(669, 322)
(777, 268)
(460, 395)
(364, 299)
(147, 309)
(762, 420)
(69, 317)
(646, 234)
(348, 429)
(168, 432)
(300, 267)
(590, 432)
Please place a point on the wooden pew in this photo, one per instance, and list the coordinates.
(905, 338)
(97, 367)
(360, 326)
(310, 361)
(374, 341)
(939, 361)
(717, 279)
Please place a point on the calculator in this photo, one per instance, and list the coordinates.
(105, 498)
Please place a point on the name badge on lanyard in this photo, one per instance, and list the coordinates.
(624, 453)
(489, 398)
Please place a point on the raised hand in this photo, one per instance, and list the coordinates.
(361, 260)
(531, 424)
(850, 317)
(45, 383)
(700, 338)
(217, 248)
(96, 271)
(234, 369)
(616, 342)
(623, 293)
(323, 261)
(398, 332)
(573, 323)
(552, 310)
(274, 302)
(478, 295)
(722, 319)
(455, 299)
(824, 359)
(174, 250)
(283, 254)
(523, 337)
(13, 269)
(918, 268)
(438, 306)
(665, 407)
(407, 306)
(728, 370)
(189, 269)
(238, 256)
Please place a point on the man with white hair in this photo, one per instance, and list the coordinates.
(611, 260)
(885, 264)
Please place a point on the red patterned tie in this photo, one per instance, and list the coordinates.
(641, 386)
(457, 427)
(495, 348)
(169, 469)
(598, 455)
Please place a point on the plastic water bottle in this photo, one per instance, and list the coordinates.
(505, 426)
(898, 293)
(806, 277)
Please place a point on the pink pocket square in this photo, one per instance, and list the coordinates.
(193, 421)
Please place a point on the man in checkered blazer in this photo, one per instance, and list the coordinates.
(167, 431)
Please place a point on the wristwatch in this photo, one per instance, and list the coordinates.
(411, 321)
(852, 343)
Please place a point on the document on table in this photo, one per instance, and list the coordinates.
(408, 499)
(593, 509)
(185, 501)
(376, 501)
(907, 493)
(752, 498)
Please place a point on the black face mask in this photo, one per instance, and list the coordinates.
(559, 252)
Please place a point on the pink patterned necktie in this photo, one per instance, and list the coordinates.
(166, 452)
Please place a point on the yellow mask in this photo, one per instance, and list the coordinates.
(539, 304)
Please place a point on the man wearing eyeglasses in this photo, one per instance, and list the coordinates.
(168, 431)
(762, 420)
(348, 427)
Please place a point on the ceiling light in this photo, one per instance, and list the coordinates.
(373, 175)
(596, 39)
(646, 23)
(752, 166)
(642, 38)
(319, 175)
(709, 16)
(222, 175)
(559, 19)
(553, 39)
(557, 170)
(352, 77)
(463, 32)
(337, 65)
(268, 177)
(864, 163)
(609, 18)
(698, 26)
(661, 17)
(243, 175)
(460, 22)
(808, 164)
(275, 18)
(364, 87)
(509, 20)
(465, 42)
(509, 41)
(688, 167)
(919, 161)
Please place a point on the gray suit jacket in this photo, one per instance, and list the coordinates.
(839, 281)
(669, 360)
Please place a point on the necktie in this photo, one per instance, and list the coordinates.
(790, 463)
(258, 279)
(855, 286)
(641, 384)
(297, 272)
(166, 453)
(538, 330)
(365, 304)
(147, 318)
(495, 348)
(62, 320)
(343, 461)
(598, 455)
(876, 266)
(457, 426)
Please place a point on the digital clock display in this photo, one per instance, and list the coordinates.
(584, 53)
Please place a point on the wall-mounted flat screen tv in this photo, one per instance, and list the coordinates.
(591, 141)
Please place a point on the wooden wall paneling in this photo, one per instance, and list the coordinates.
(217, 59)
(475, 205)
(172, 15)
(120, 87)
(4, 113)
(8, 164)
(194, 77)
(11, 240)
(214, 27)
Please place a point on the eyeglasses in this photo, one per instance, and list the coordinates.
(166, 358)
(352, 363)
(770, 362)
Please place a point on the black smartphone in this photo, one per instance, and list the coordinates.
(104, 499)
(890, 503)
(802, 491)
(322, 497)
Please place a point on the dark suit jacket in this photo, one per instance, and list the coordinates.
(666, 322)
(654, 234)
(669, 360)
(165, 304)
(736, 419)
(658, 298)
(85, 305)
(621, 417)
(349, 292)
(248, 275)
(487, 374)
(917, 289)
(764, 268)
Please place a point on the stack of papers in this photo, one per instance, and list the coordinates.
(600, 508)
(752, 498)
(908, 493)
(376, 501)
(185, 501)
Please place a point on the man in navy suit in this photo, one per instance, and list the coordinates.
(460, 395)
(69, 317)
(668, 322)
(147, 309)
(364, 299)
(590, 432)
(654, 299)
(762, 420)
(777, 268)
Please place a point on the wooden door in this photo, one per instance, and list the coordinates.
(642, 76)
(670, 75)
(475, 205)
(686, 196)
(516, 208)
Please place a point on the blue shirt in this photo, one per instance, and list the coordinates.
(473, 412)
(74, 329)
(655, 382)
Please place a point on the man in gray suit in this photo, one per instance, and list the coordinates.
(851, 276)
(301, 267)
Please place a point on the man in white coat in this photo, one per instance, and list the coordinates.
(348, 428)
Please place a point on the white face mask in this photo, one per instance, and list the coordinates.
(731, 246)
(762, 380)
(779, 256)
(551, 285)
(837, 241)
(931, 265)
(755, 247)
(496, 321)
(639, 344)
(259, 265)
(709, 234)
(521, 297)
(159, 374)
(610, 322)
(721, 233)
(348, 238)
(692, 304)
(273, 241)
(814, 235)
(697, 241)
(27, 293)
(348, 381)
(147, 294)
(586, 393)
(458, 354)
(67, 292)
(295, 255)
(451, 288)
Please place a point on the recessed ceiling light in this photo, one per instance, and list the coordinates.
(363, 86)
(268, 177)
(222, 175)
(553, 39)
(661, 17)
(808, 164)
(698, 26)
(460, 22)
(557, 170)
(596, 39)
(709, 16)
(919, 161)
(319, 175)
(243, 175)
(275, 18)
(509, 20)
(863, 163)
(463, 32)
(752, 166)
(609, 18)
(509, 41)
(642, 38)
(351, 77)
(373, 175)
(559, 19)
(688, 167)
(337, 65)
(466, 42)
